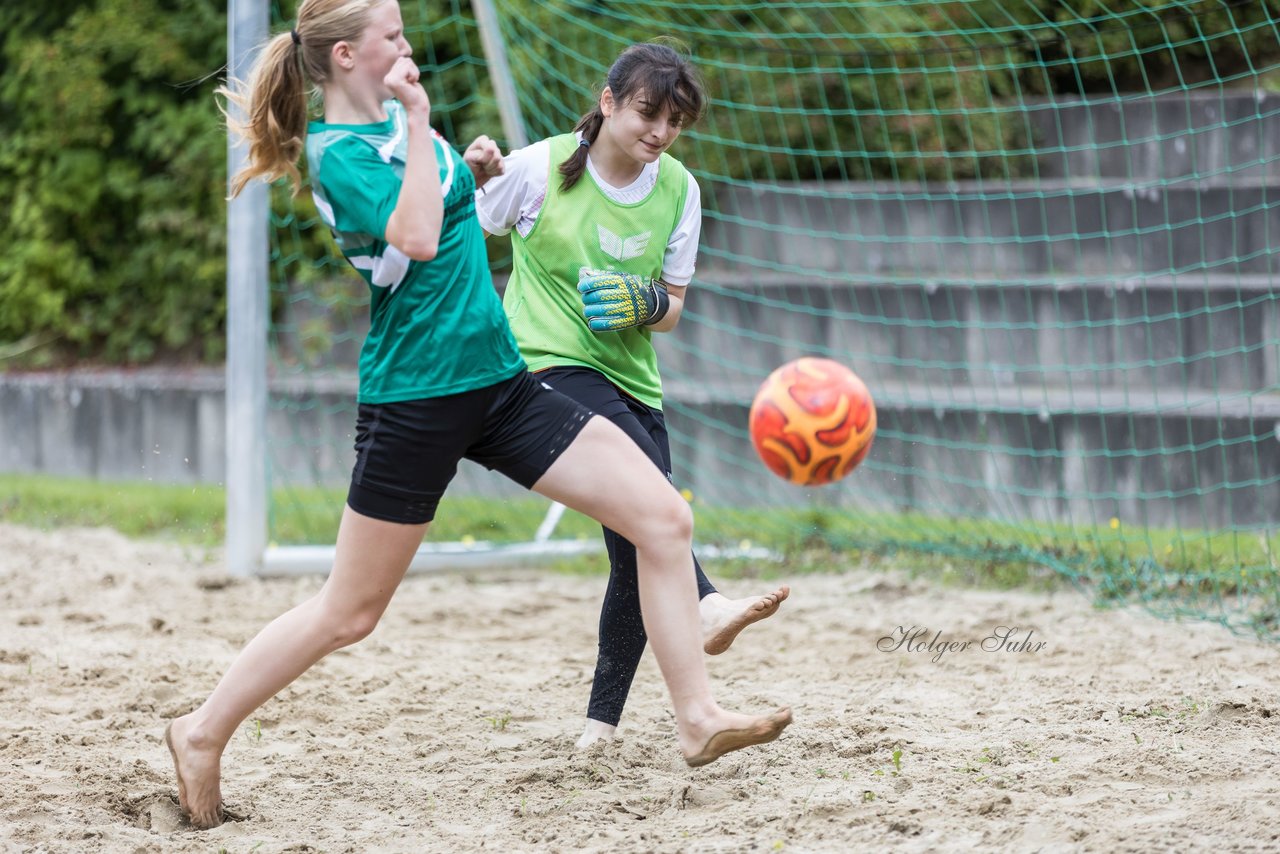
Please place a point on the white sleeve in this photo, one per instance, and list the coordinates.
(682, 248)
(504, 200)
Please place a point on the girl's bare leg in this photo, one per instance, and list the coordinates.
(372, 557)
(603, 474)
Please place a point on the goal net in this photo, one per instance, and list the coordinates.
(1040, 231)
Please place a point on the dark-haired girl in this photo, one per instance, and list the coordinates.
(605, 227)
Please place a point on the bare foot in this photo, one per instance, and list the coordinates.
(723, 618)
(750, 731)
(199, 776)
(595, 731)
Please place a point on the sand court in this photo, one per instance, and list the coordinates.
(452, 727)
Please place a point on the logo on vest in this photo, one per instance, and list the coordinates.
(623, 248)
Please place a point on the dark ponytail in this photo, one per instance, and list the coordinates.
(576, 164)
(664, 74)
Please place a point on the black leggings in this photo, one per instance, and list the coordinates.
(622, 637)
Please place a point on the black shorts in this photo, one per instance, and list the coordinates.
(406, 453)
(646, 426)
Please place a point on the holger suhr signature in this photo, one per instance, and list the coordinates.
(919, 640)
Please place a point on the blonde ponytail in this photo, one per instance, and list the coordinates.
(272, 119)
(273, 105)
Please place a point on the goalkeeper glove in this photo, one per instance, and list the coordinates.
(613, 301)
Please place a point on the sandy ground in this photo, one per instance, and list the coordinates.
(452, 727)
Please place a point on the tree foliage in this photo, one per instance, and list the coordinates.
(112, 175)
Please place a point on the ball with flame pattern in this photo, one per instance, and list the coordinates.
(812, 421)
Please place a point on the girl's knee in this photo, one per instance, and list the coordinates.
(673, 520)
(684, 518)
(356, 628)
(346, 625)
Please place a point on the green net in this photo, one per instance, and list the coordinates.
(1040, 232)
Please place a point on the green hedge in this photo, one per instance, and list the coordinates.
(112, 169)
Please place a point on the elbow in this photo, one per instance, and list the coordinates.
(422, 250)
(420, 244)
(418, 249)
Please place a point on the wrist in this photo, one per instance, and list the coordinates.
(419, 118)
(662, 302)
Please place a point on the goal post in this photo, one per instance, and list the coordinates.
(247, 319)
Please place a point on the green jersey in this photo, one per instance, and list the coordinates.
(584, 228)
(435, 327)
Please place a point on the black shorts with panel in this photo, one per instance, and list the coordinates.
(408, 452)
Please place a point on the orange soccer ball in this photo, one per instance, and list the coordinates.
(812, 421)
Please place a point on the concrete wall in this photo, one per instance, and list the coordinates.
(167, 427)
(170, 427)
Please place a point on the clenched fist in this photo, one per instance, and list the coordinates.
(402, 80)
(484, 158)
